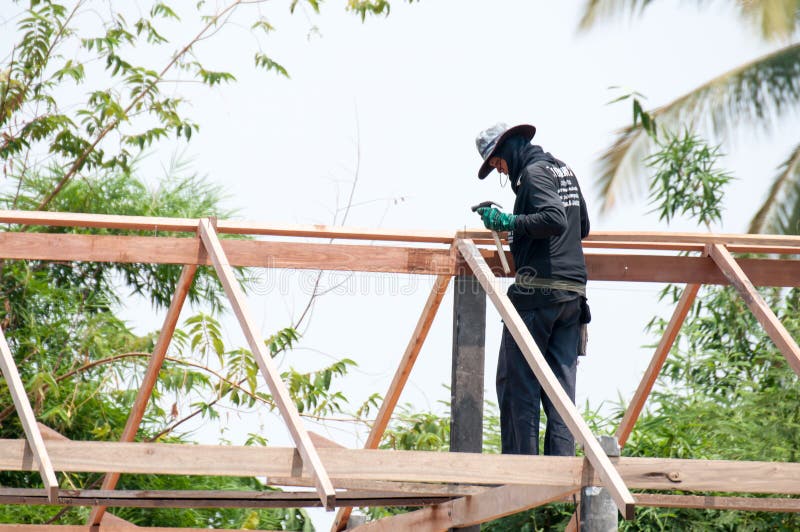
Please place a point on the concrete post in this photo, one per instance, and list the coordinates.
(597, 509)
(466, 392)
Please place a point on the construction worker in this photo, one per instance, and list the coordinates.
(549, 291)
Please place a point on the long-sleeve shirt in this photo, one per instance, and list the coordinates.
(546, 240)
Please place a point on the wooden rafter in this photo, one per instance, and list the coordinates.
(150, 377)
(265, 363)
(8, 368)
(550, 385)
(775, 329)
(466, 511)
(656, 363)
(745, 242)
(400, 378)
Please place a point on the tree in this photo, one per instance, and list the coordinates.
(756, 93)
(79, 361)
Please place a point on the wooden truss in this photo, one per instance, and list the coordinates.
(455, 489)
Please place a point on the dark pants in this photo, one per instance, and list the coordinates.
(555, 328)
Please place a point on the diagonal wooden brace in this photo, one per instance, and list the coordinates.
(577, 426)
(32, 434)
(775, 329)
(150, 377)
(656, 363)
(265, 363)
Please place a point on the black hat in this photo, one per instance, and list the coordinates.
(490, 139)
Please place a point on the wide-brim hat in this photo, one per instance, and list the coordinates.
(489, 140)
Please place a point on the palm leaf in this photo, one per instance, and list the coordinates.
(756, 93)
(780, 211)
(773, 19)
(596, 10)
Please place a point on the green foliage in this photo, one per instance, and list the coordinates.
(371, 7)
(686, 179)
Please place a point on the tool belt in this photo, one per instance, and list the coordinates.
(526, 281)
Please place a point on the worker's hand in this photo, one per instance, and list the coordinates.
(496, 220)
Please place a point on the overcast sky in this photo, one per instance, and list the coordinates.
(398, 101)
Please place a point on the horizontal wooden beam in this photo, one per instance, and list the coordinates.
(189, 225)
(363, 258)
(403, 466)
(714, 502)
(211, 499)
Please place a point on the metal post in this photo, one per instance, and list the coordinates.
(466, 392)
(597, 509)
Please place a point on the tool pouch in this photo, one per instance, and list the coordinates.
(583, 333)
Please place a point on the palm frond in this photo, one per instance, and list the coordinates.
(597, 10)
(756, 93)
(780, 211)
(774, 19)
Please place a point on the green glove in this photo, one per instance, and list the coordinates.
(496, 220)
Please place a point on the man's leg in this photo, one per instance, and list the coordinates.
(562, 356)
(518, 391)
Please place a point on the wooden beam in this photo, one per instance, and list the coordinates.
(189, 225)
(550, 385)
(656, 363)
(775, 329)
(212, 499)
(387, 259)
(23, 406)
(473, 510)
(695, 238)
(403, 466)
(267, 366)
(154, 364)
(400, 378)
(714, 502)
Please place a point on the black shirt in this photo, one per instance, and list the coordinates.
(546, 240)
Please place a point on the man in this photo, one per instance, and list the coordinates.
(545, 231)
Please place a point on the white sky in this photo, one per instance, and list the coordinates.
(410, 92)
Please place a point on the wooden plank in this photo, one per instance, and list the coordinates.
(466, 511)
(656, 363)
(386, 486)
(775, 329)
(714, 502)
(403, 466)
(154, 364)
(388, 259)
(8, 368)
(189, 225)
(400, 378)
(550, 385)
(212, 499)
(695, 238)
(682, 246)
(267, 366)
